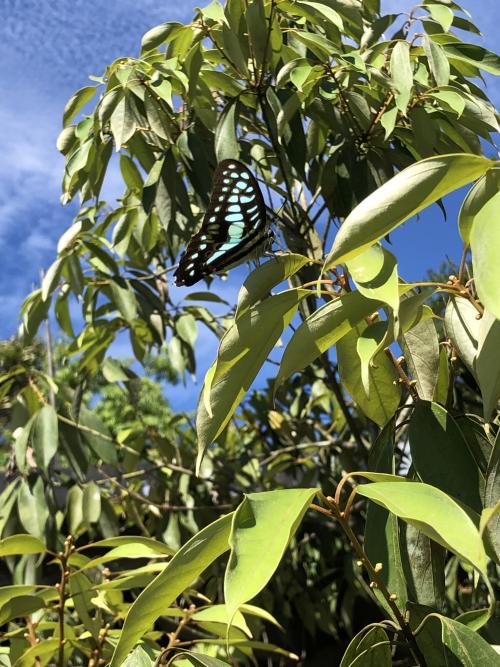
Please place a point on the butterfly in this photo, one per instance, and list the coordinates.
(234, 225)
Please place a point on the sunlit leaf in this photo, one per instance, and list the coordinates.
(402, 196)
(434, 513)
(321, 330)
(187, 564)
(487, 362)
(261, 530)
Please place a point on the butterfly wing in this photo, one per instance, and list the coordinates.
(233, 227)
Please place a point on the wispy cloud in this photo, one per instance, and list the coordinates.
(48, 50)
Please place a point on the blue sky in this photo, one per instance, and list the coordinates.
(47, 50)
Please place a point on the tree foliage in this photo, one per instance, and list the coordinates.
(129, 538)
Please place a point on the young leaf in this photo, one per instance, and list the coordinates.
(434, 513)
(404, 195)
(262, 528)
(382, 400)
(375, 273)
(187, 564)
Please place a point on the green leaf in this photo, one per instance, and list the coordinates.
(82, 591)
(371, 340)
(242, 351)
(76, 102)
(476, 199)
(262, 528)
(133, 541)
(461, 645)
(421, 350)
(443, 381)
(369, 648)
(478, 216)
(382, 400)
(42, 650)
(324, 11)
(130, 172)
(434, 513)
(375, 273)
(158, 35)
(214, 11)
(404, 195)
(32, 508)
(402, 73)
(45, 436)
(74, 509)
(388, 121)
(442, 15)
(17, 545)
(226, 140)
(187, 564)
(123, 121)
(450, 99)
(22, 437)
(198, 659)
(91, 503)
(257, 28)
(321, 330)
(381, 529)
(51, 278)
(186, 329)
(438, 62)
(423, 567)
(215, 619)
(431, 423)
(487, 362)
(124, 299)
(139, 658)
(266, 276)
(462, 328)
(473, 54)
(492, 495)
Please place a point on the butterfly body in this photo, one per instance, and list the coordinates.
(234, 226)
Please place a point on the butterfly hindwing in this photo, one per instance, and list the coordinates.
(233, 227)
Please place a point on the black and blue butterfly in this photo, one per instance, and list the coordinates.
(234, 226)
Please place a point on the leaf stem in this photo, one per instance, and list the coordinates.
(61, 588)
(375, 577)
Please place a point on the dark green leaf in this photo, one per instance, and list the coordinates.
(76, 102)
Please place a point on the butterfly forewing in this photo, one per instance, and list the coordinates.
(234, 225)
